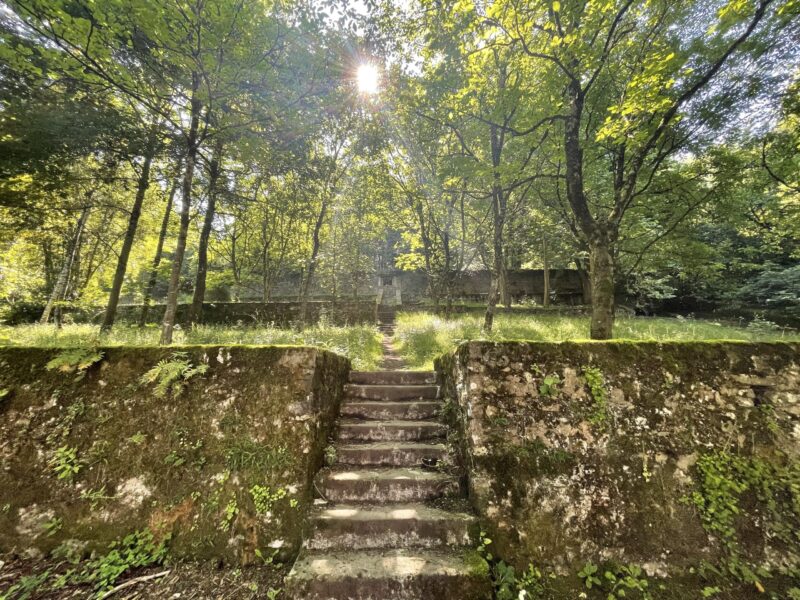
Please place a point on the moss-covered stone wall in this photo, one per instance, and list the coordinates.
(672, 456)
(222, 464)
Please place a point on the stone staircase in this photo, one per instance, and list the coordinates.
(391, 527)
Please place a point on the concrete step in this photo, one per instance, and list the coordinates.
(390, 431)
(392, 454)
(384, 486)
(387, 410)
(391, 392)
(393, 377)
(350, 527)
(389, 575)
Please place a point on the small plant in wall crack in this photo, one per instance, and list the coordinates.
(597, 389)
(549, 386)
(264, 498)
(65, 462)
(170, 375)
(229, 514)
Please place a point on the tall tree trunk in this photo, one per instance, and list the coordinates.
(196, 309)
(60, 287)
(601, 267)
(264, 261)
(495, 289)
(546, 273)
(598, 234)
(505, 292)
(130, 233)
(498, 222)
(47, 252)
(170, 313)
(162, 235)
(312, 263)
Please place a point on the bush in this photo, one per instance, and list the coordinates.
(774, 289)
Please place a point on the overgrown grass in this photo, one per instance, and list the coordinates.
(424, 336)
(361, 343)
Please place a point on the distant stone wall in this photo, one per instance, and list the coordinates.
(225, 467)
(280, 314)
(565, 285)
(659, 455)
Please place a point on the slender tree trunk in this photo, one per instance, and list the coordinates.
(47, 250)
(495, 289)
(601, 267)
(505, 293)
(162, 235)
(196, 310)
(546, 273)
(498, 222)
(130, 234)
(312, 263)
(264, 262)
(170, 313)
(60, 287)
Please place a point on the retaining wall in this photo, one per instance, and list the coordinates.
(225, 468)
(665, 456)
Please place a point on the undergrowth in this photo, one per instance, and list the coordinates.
(136, 550)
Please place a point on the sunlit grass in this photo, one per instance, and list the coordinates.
(360, 343)
(424, 336)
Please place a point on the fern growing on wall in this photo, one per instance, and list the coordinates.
(170, 375)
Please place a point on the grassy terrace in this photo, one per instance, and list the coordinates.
(420, 337)
(423, 336)
(361, 343)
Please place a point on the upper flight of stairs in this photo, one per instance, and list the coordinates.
(380, 534)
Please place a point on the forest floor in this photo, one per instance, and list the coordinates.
(183, 581)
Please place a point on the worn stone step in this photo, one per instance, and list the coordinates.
(390, 431)
(383, 486)
(384, 410)
(407, 454)
(350, 527)
(393, 377)
(391, 392)
(390, 575)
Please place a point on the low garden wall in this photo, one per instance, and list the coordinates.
(215, 450)
(680, 459)
(280, 314)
